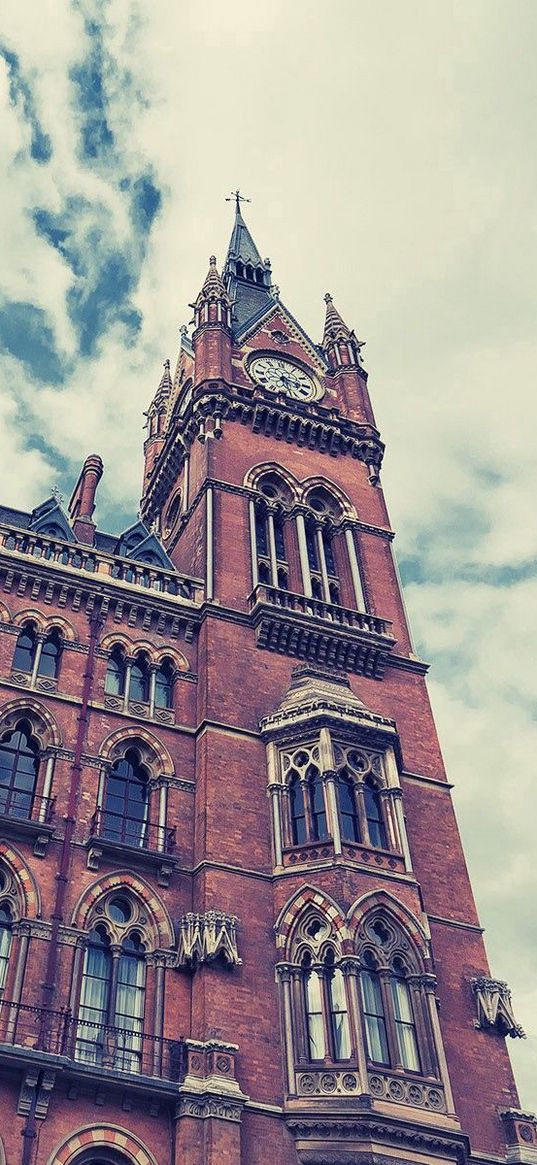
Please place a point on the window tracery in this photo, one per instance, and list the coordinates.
(307, 808)
(391, 1009)
(19, 765)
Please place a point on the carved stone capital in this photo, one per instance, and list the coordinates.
(205, 937)
(494, 1007)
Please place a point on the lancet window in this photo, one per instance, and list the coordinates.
(269, 541)
(126, 801)
(321, 1005)
(359, 786)
(19, 765)
(307, 819)
(36, 654)
(112, 991)
(393, 1002)
(139, 681)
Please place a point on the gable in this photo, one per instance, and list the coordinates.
(278, 329)
(49, 518)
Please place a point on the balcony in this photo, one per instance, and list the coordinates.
(23, 815)
(30, 1035)
(116, 837)
(321, 632)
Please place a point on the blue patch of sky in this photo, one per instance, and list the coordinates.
(96, 137)
(22, 98)
(26, 334)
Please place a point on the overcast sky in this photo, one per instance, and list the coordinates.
(388, 148)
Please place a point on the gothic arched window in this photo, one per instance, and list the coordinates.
(19, 763)
(274, 497)
(112, 993)
(125, 805)
(348, 814)
(139, 679)
(25, 649)
(49, 660)
(307, 820)
(373, 812)
(388, 1005)
(322, 998)
(114, 683)
(164, 684)
(360, 798)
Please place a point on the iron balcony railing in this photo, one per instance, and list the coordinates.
(21, 805)
(132, 831)
(90, 1044)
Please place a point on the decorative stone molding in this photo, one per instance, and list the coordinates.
(209, 1106)
(203, 937)
(401, 1090)
(327, 1083)
(209, 1088)
(494, 1007)
(30, 1082)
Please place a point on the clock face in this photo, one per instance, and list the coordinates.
(278, 375)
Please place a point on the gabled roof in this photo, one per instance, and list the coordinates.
(142, 545)
(49, 518)
(263, 315)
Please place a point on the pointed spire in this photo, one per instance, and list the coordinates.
(241, 243)
(247, 277)
(335, 327)
(337, 335)
(165, 387)
(213, 287)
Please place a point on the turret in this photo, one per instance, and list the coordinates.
(156, 421)
(343, 353)
(212, 328)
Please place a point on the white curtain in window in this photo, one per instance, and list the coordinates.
(315, 1016)
(404, 1025)
(377, 1043)
(93, 1010)
(340, 1019)
(129, 1012)
(5, 948)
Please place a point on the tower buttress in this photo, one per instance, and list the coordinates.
(343, 352)
(212, 329)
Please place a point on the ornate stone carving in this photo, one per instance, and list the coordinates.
(494, 1007)
(327, 1083)
(418, 1093)
(207, 1106)
(203, 937)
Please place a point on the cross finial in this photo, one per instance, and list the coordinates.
(58, 497)
(236, 194)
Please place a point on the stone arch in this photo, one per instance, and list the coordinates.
(309, 484)
(30, 615)
(154, 754)
(28, 890)
(5, 617)
(112, 1138)
(122, 880)
(179, 660)
(116, 639)
(301, 901)
(254, 475)
(387, 902)
(144, 645)
(43, 723)
(67, 630)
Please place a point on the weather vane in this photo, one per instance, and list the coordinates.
(236, 194)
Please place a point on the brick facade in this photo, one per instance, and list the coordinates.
(231, 911)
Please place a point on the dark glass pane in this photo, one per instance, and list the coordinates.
(375, 1021)
(125, 803)
(373, 811)
(329, 554)
(261, 535)
(279, 540)
(163, 687)
(115, 676)
(18, 772)
(311, 543)
(139, 683)
(298, 813)
(318, 811)
(24, 655)
(50, 657)
(350, 830)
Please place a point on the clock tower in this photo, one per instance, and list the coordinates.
(362, 1018)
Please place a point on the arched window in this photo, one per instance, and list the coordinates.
(307, 820)
(114, 683)
(325, 1009)
(6, 924)
(49, 660)
(112, 995)
(124, 814)
(25, 649)
(373, 811)
(139, 681)
(387, 1002)
(164, 684)
(269, 517)
(19, 762)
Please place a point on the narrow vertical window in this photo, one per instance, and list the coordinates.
(139, 681)
(373, 1011)
(298, 811)
(24, 655)
(405, 1028)
(337, 1003)
(319, 825)
(49, 660)
(95, 993)
(311, 543)
(313, 998)
(348, 816)
(129, 1004)
(115, 673)
(126, 801)
(373, 812)
(164, 685)
(6, 923)
(19, 762)
(261, 534)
